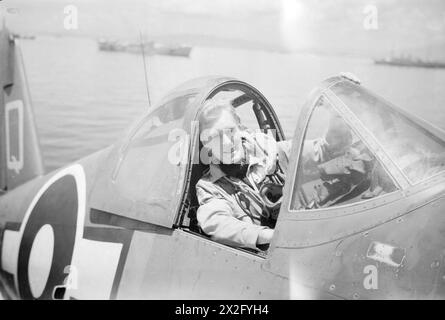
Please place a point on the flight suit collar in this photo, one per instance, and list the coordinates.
(215, 172)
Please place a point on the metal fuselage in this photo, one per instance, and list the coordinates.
(85, 231)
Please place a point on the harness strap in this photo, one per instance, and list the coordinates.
(244, 196)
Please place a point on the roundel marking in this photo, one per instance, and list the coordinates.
(56, 215)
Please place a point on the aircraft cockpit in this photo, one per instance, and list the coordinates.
(351, 150)
(356, 146)
(255, 113)
(335, 166)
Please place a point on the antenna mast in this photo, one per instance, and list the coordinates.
(145, 69)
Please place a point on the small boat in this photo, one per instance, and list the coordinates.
(24, 36)
(150, 48)
(410, 62)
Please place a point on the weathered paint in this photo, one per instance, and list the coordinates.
(132, 252)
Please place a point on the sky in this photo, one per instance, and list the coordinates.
(320, 26)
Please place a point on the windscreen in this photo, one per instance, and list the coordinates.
(418, 153)
(335, 166)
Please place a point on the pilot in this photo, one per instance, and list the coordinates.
(334, 159)
(335, 142)
(233, 209)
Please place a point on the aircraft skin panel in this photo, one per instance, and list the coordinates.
(402, 258)
(162, 266)
(415, 266)
(315, 227)
(13, 204)
(307, 270)
(139, 260)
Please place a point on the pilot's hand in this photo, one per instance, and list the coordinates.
(264, 236)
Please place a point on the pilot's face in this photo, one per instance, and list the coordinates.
(223, 138)
(336, 144)
(338, 137)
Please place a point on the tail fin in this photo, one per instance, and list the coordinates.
(20, 157)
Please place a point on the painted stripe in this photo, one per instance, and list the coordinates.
(112, 235)
(95, 264)
(10, 251)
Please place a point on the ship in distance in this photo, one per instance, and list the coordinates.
(409, 61)
(146, 47)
